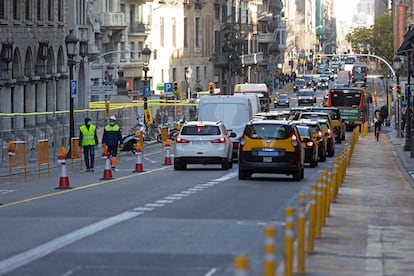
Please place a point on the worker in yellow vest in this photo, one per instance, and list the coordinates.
(88, 140)
(112, 137)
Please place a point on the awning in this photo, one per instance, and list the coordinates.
(408, 43)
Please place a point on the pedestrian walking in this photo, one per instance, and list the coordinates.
(112, 138)
(88, 140)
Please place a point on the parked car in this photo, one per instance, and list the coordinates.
(282, 100)
(309, 144)
(203, 142)
(306, 97)
(271, 146)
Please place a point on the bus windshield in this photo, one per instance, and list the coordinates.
(345, 98)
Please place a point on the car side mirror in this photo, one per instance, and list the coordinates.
(232, 134)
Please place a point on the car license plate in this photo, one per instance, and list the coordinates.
(267, 159)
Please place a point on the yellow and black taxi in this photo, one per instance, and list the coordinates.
(337, 121)
(318, 137)
(271, 146)
(309, 144)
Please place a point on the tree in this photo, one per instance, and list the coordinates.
(378, 36)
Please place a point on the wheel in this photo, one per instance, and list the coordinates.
(178, 166)
(314, 162)
(302, 173)
(225, 165)
(243, 174)
(230, 163)
(159, 138)
(297, 175)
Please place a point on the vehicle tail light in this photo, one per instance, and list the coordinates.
(242, 142)
(320, 133)
(180, 140)
(220, 140)
(294, 140)
(309, 144)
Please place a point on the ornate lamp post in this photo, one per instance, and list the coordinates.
(71, 42)
(146, 54)
(7, 53)
(397, 66)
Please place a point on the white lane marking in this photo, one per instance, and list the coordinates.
(143, 209)
(164, 201)
(173, 197)
(211, 272)
(47, 248)
(38, 252)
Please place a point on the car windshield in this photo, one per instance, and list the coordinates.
(306, 93)
(267, 131)
(300, 82)
(200, 130)
(283, 97)
(303, 131)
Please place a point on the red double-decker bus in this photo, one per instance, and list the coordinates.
(353, 104)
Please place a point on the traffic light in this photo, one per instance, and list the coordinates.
(311, 54)
(398, 91)
(175, 88)
(319, 59)
(211, 87)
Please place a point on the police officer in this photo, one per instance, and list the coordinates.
(112, 137)
(88, 140)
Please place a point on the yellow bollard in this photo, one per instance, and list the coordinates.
(269, 265)
(289, 230)
(322, 188)
(318, 210)
(335, 182)
(241, 265)
(326, 178)
(301, 233)
(312, 218)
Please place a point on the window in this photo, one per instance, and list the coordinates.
(123, 50)
(39, 10)
(50, 10)
(174, 31)
(197, 31)
(16, 10)
(28, 10)
(197, 73)
(2, 9)
(60, 10)
(185, 32)
(131, 16)
(132, 49)
(162, 31)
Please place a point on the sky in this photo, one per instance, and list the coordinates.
(345, 10)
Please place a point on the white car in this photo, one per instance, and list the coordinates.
(203, 142)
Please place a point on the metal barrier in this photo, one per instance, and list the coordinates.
(17, 157)
(76, 154)
(43, 155)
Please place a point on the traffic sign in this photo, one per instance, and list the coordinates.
(103, 90)
(73, 88)
(168, 88)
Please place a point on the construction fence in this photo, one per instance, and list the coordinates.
(55, 126)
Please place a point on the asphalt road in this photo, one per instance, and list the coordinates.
(159, 222)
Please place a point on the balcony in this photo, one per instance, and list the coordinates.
(113, 20)
(265, 38)
(253, 59)
(139, 29)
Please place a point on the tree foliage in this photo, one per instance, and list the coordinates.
(378, 37)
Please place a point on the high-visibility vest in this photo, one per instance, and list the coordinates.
(88, 135)
(112, 128)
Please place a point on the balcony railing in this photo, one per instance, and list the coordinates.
(113, 20)
(265, 37)
(137, 28)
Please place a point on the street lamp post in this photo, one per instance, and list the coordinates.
(397, 66)
(146, 54)
(71, 42)
(407, 145)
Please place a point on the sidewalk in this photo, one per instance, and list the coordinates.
(370, 230)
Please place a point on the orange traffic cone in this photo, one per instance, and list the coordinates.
(107, 175)
(167, 159)
(108, 170)
(64, 179)
(138, 163)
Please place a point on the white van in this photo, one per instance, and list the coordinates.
(260, 89)
(255, 101)
(233, 111)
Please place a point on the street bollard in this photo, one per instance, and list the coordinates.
(318, 210)
(301, 233)
(289, 230)
(241, 265)
(269, 265)
(335, 181)
(322, 188)
(326, 179)
(312, 218)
